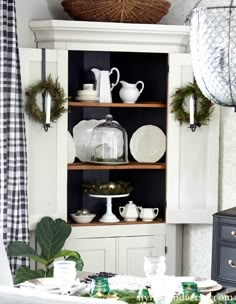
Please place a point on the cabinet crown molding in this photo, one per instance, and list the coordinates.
(109, 36)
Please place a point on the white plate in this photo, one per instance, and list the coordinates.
(70, 148)
(49, 285)
(108, 163)
(82, 133)
(217, 287)
(87, 93)
(205, 283)
(87, 98)
(148, 144)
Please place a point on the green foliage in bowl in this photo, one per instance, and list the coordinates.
(111, 188)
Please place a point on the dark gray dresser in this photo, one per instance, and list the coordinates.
(224, 248)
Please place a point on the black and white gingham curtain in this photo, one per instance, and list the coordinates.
(13, 166)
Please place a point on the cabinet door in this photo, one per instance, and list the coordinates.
(98, 254)
(193, 157)
(47, 156)
(131, 252)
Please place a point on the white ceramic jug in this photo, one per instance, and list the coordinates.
(129, 92)
(148, 214)
(129, 212)
(103, 85)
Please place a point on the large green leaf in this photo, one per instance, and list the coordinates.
(24, 273)
(51, 236)
(79, 263)
(19, 248)
(72, 256)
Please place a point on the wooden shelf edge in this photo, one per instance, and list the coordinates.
(147, 104)
(121, 223)
(129, 166)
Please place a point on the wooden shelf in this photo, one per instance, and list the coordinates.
(96, 223)
(143, 104)
(129, 166)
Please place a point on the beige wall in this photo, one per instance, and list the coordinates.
(197, 238)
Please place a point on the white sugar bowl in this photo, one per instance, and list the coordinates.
(148, 214)
(83, 216)
(129, 212)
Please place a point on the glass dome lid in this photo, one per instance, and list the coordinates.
(109, 143)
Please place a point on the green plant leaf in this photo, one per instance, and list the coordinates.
(24, 273)
(67, 253)
(19, 248)
(51, 236)
(79, 263)
(71, 255)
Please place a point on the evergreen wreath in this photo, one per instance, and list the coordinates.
(204, 105)
(57, 95)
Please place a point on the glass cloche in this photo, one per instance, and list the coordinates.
(109, 143)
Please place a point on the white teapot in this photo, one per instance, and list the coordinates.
(148, 214)
(129, 212)
(129, 92)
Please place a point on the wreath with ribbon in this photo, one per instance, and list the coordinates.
(57, 95)
(204, 105)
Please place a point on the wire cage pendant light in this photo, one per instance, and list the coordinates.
(213, 51)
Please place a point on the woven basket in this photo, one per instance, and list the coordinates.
(132, 11)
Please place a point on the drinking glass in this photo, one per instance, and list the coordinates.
(64, 273)
(154, 266)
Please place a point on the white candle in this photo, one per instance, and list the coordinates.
(48, 108)
(191, 109)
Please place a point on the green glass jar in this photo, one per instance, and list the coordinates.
(190, 290)
(99, 287)
(231, 301)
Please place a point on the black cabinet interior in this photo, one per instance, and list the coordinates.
(152, 69)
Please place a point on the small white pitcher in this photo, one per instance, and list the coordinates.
(129, 92)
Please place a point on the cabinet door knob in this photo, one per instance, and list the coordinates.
(230, 262)
(233, 233)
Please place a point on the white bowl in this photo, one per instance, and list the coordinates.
(83, 219)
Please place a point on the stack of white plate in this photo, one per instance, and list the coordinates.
(87, 95)
(205, 285)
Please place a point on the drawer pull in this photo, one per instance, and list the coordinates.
(233, 233)
(230, 262)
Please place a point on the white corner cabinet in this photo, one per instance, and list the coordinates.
(183, 184)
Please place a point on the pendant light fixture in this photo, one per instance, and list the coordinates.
(213, 50)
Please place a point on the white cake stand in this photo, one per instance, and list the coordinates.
(109, 217)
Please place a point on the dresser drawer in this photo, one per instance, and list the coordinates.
(227, 233)
(225, 270)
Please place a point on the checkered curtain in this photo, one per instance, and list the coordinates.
(13, 175)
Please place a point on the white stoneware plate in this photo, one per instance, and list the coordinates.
(148, 144)
(108, 163)
(70, 148)
(217, 287)
(205, 283)
(49, 285)
(82, 133)
(87, 98)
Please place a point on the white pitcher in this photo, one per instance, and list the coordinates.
(103, 85)
(129, 92)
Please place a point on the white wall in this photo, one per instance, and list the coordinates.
(197, 238)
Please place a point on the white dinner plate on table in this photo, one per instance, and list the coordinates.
(217, 287)
(148, 144)
(49, 285)
(205, 283)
